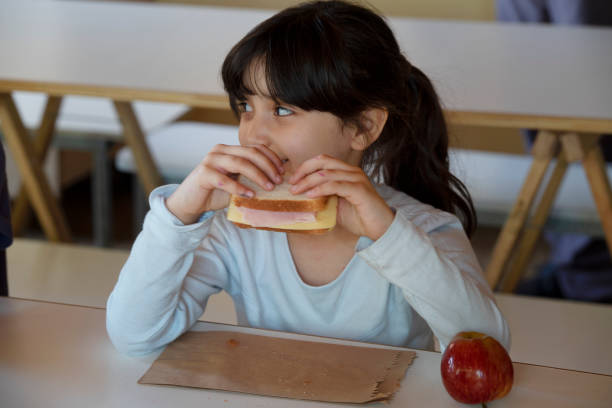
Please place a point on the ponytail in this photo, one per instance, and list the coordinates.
(412, 152)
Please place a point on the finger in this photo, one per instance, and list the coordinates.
(256, 156)
(353, 192)
(229, 185)
(228, 163)
(322, 176)
(321, 161)
(267, 160)
(272, 156)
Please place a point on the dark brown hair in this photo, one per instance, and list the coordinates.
(341, 58)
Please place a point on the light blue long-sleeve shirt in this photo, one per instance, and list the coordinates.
(420, 276)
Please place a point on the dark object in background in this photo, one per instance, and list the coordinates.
(6, 234)
(573, 12)
(587, 277)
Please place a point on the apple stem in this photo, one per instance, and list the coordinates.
(484, 405)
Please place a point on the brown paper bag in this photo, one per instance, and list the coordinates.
(272, 366)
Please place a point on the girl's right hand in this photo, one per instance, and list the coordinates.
(209, 185)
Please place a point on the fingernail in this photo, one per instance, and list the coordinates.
(269, 186)
(248, 194)
(278, 179)
(311, 192)
(293, 188)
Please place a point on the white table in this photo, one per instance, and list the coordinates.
(56, 355)
(552, 78)
(559, 333)
(553, 333)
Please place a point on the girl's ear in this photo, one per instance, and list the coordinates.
(372, 122)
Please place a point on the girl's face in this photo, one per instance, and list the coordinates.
(295, 135)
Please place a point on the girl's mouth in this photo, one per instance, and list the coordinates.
(286, 167)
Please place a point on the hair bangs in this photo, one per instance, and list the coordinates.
(298, 56)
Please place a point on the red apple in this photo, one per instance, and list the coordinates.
(476, 368)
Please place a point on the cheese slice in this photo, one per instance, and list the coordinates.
(325, 219)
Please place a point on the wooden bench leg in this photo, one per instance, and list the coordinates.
(47, 209)
(147, 171)
(44, 135)
(543, 152)
(533, 228)
(585, 148)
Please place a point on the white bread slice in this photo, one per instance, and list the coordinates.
(279, 199)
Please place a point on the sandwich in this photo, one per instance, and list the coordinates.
(279, 210)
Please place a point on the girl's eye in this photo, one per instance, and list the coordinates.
(281, 111)
(244, 107)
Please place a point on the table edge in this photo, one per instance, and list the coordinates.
(221, 101)
(116, 93)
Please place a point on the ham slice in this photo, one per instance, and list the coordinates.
(261, 218)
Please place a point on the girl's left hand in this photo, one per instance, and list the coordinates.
(361, 210)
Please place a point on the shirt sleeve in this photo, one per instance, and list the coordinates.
(165, 283)
(435, 267)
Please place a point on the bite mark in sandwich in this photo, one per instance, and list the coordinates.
(279, 210)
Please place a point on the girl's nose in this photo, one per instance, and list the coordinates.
(255, 130)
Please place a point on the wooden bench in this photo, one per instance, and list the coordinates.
(494, 181)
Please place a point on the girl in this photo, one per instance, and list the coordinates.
(325, 98)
